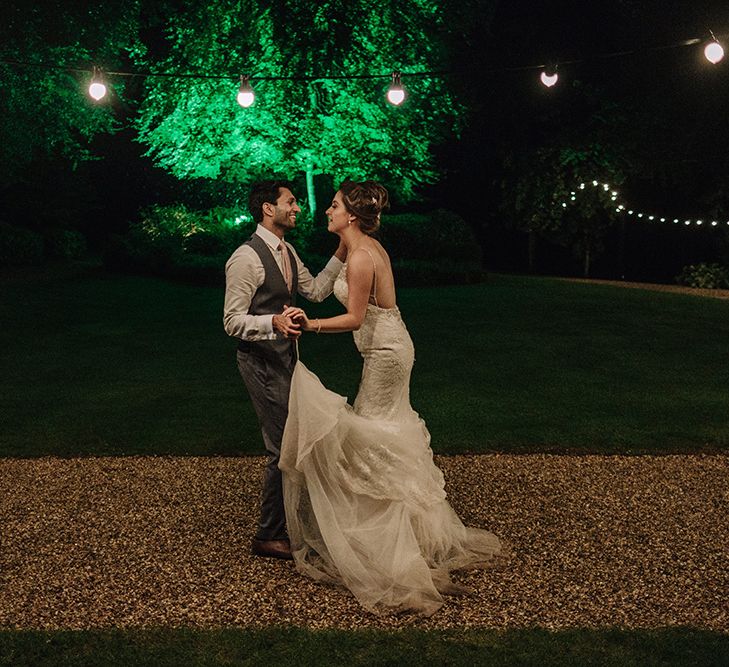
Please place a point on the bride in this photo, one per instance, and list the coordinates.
(365, 504)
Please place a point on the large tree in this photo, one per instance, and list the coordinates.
(340, 127)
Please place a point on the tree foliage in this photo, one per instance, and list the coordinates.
(195, 128)
(44, 108)
(541, 187)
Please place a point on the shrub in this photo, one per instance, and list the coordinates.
(707, 276)
(65, 244)
(440, 235)
(19, 246)
(426, 249)
(178, 242)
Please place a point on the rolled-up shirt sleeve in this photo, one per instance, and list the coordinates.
(244, 274)
(319, 288)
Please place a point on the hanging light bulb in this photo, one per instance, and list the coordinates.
(549, 76)
(396, 93)
(97, 89)
(246, 96)
(714, 51)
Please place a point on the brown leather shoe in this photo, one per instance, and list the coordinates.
(272, 549)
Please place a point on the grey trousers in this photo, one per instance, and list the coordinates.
(268, 380)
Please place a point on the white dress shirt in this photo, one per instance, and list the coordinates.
(244, 274)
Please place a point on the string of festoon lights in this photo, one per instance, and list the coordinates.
(650, 217)
(396, 92)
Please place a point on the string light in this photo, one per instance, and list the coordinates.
(714, 52)
(549, 76)
(396, 93)
(639, 214)
(246, 96)
(97, 88)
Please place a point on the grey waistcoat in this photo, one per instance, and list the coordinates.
(270, 298)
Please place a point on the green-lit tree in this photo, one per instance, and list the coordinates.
(345, 127)
(46, 113)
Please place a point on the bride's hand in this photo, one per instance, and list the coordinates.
(298, 316)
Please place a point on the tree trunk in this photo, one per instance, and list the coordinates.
(532, 250)
(310, 191)
(587, 261)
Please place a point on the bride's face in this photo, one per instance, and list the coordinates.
(338, 216)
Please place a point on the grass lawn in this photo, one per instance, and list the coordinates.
(97, 364)
(300, 648)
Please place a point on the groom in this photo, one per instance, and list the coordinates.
(262, 278)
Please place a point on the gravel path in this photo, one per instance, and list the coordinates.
(144, 541)
(656, 287)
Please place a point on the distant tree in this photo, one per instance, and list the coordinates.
(594, 145)
(548, 201)
(196, 129)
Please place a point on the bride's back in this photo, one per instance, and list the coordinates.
(382, 293)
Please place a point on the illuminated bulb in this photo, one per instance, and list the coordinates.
(640, 215)
(630, 212)
(714, 52)
(663, 220)
(548, 79)
(396, 93)
(688, 222)
(97, 89)
(675, 220)
(246, 96)
(714, 223)
(698, 222)
(582, 186)
(594, 183)
(650, 217)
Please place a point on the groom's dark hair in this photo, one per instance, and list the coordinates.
(263, 192)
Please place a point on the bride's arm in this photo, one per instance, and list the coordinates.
(360, 274)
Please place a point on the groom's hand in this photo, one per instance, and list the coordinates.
(298, 316)
(285, 325)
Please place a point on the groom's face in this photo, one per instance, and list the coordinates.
(285, 210)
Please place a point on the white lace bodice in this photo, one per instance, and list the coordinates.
(387, 349)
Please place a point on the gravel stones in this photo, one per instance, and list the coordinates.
(595, 541)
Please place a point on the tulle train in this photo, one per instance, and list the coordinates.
(366, 506)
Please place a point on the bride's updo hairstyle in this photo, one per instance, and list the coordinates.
(365, 201)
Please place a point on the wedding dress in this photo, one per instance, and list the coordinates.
(365, 503)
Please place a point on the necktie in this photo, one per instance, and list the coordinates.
(286, 264)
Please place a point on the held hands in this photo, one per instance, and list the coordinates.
(285, 323)
(298, 317)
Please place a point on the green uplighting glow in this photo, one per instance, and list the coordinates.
(343, 128)
(242, 219)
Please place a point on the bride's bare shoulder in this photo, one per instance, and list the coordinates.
(381, 251)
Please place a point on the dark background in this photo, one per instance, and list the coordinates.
(668, 105)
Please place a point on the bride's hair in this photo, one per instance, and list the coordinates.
(365, 201)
